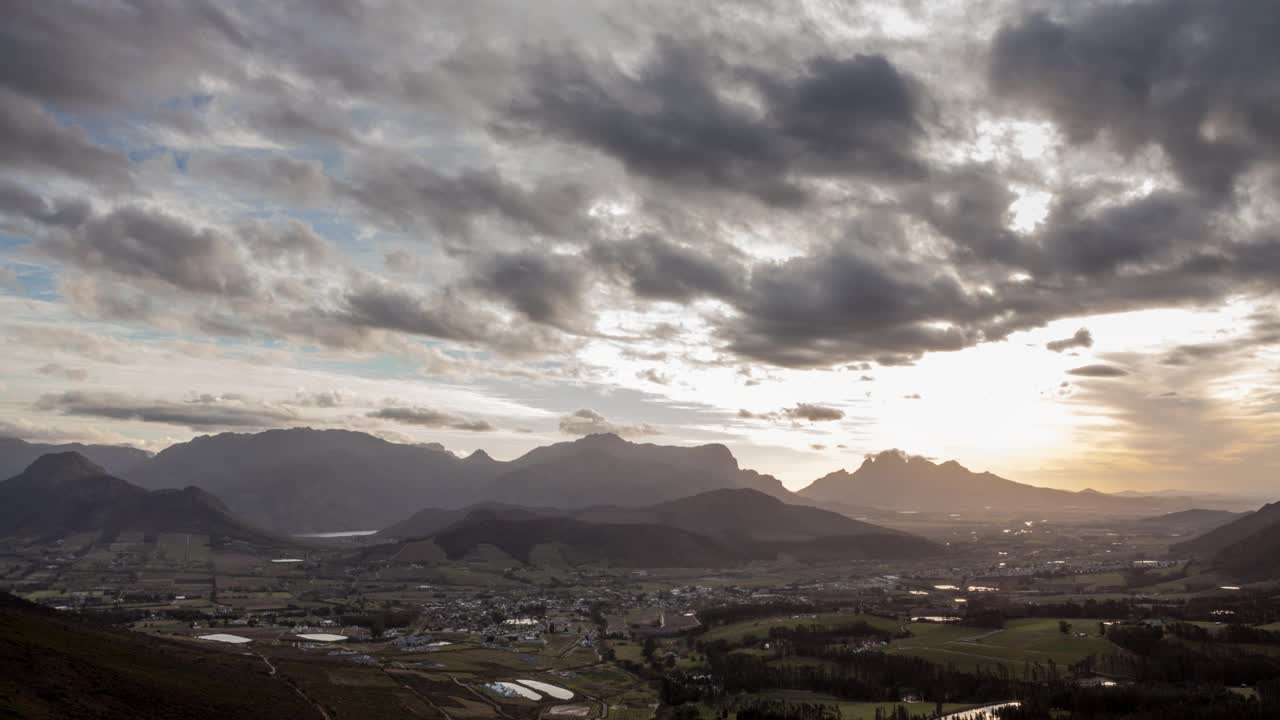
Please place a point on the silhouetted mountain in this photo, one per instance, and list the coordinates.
(607, 470)
(893, 480)
(739, 515)
(305, 480)
(738, 524)
(1188, 522)
(15, 455)
(62, 494)
(1219, 539)
(632, 545)
(1248, 547)
(58, 666)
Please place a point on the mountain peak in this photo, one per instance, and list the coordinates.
(601, 439)
(63, 467)
(479, 456)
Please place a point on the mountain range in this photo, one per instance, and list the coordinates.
(714, 528)
(303, 480)
(893, 480)
(16, 455)
(63, 494)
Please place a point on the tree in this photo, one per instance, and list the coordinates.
(1064, 627)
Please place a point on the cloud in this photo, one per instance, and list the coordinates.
(589, 422)
(809, 412)
(31, 139)
(1098, 371)
(546, 288)
(1081, 339)
(671, 120)
(427, 417)
(63, 372)
(653, 376)
(139, 243)
(321, 399)
(814, 412)
(199, 413)
(656, 269)
(1152, 73)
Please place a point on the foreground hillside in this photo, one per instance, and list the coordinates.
(53, 666)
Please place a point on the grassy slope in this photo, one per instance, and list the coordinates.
(55, 667)
(1029, 640)
(760, 628)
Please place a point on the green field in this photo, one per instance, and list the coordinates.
(734, 632)
(1030, 640)
(860, 710)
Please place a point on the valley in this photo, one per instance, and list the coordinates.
(727, 602)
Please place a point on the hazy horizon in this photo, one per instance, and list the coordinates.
(1035, 238)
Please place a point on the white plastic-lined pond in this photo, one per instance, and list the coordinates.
(558, 693)
(509, 688)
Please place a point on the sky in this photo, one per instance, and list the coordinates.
(1039, 238)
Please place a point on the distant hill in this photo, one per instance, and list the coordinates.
(633, 545)
(893, 480)
(429, 521)
(58, 666)
(62, 494)
(15, 455)
(1247, 547)
(1188, 522)
(714, 528)
(1225, 536)
(735, 515)
(304, 480)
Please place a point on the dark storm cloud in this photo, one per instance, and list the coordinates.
(412, 195)
(427, 417)
(199, 413)
(31, 139)
(1098, 371)
(17, 201)
(1152, 229)
(381, 305)
(545, 288)
(449, 315)
(657, 269)
(586, 421)
(846, 303)
(85, 55)
(1196, 79)
(140, 243)
(674, 120)
(1081, 339)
